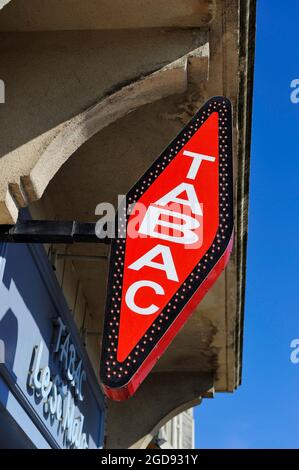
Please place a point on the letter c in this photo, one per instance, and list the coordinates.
(130, 297)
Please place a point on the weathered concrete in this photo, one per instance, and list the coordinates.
(162, 396)
(29, 161)
(169, 80)
(47, 15)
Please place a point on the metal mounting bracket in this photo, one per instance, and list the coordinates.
(50, 231)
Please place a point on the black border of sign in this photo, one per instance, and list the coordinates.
(115, 375)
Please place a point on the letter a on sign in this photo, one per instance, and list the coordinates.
(160, 272)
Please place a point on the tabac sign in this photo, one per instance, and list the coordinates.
(177, 237)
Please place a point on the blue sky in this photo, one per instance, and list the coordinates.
(264, 411)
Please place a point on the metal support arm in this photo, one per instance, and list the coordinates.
(50, 231)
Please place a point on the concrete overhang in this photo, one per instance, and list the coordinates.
(55, 15)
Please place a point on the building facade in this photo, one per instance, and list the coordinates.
(178, 433)
(93, 92)
(49, 394)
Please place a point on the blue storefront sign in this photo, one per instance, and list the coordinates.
(49, 395)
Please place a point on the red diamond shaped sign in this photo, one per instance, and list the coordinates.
(177, 240)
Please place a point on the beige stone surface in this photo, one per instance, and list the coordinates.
(50, 124)
(3, 3)
(45, 15)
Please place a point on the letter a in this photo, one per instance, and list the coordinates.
(167, 265)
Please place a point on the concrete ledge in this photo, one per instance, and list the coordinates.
(161, 397)
(53, 148)
(54, 15)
